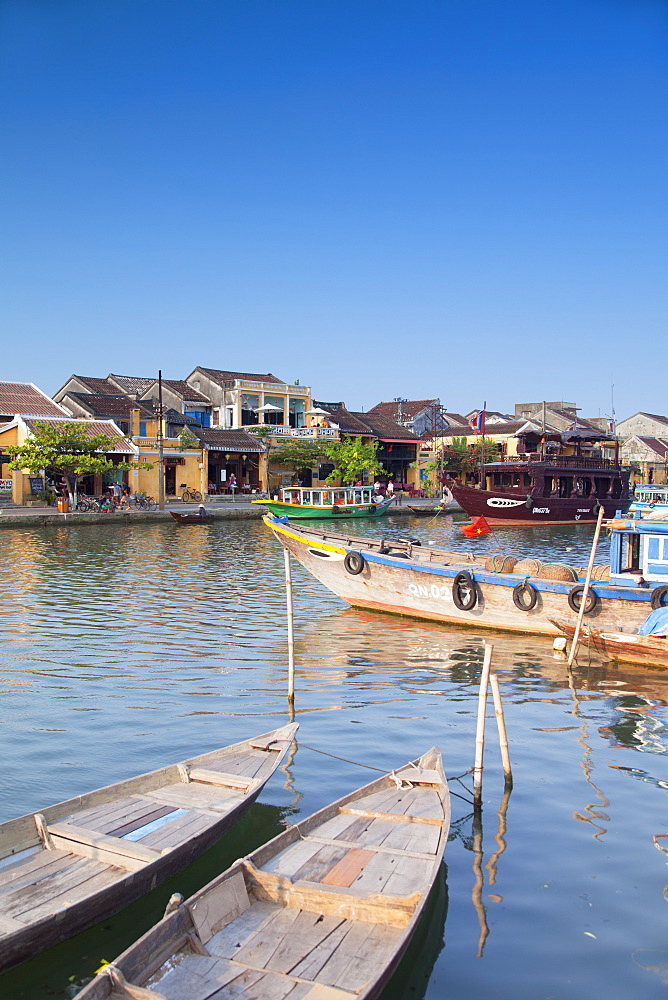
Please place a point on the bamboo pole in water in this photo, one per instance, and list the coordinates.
(501, 724)
(291, 639)
(480, 729)
(585, 592)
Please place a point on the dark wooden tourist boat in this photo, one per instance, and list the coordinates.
(77, 862)
(565, 489)
(324, 911)
(191, 518)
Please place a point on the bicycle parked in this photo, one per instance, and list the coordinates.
(189, 494)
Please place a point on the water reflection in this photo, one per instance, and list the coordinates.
(127, 647)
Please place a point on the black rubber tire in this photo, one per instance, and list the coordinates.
(196, 495)
(658, 595)
(185, 497)
(577, 591)
(353, 563)
(519, 590)
(462, 581)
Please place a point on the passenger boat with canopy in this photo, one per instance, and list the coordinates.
(649, 499)
(540, 489)
(300, 503)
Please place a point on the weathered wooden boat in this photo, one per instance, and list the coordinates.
(191, 518)
(322, 912)
(631, 648)
(425, 511)
(301, 504)
(76, 862)
(566, 489)
(499, 592)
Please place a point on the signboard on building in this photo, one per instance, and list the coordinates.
(5, 486)
(36, 484)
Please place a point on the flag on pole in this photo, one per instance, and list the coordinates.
(572, 427)
(478, 526)
(478, 423)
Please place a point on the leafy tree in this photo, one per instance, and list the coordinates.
(460, 457)
(187, 439)
(352, 459)
(66, 449)
(297, 453)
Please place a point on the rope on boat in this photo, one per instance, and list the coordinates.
(369, 767)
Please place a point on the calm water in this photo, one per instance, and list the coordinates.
(127, 647)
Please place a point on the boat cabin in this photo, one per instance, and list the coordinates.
(648, 496)
(565, 476)
(638, 552)
(341, 496)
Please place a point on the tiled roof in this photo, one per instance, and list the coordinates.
(222, 377)
(92, 428)
(132, 383)
(110, 406)
(653, 416)
(173, 416)
(455, 419)
(101, 386)
(217, 439)
(409, 407)
(26, 398)
(654, 444)
(348, 422)
(385, 428)
(186, 391)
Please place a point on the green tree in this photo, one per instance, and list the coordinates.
(352, 458)
(66, 449)
(461, 457)
(296, 454)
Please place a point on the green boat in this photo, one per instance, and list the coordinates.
(301, 504)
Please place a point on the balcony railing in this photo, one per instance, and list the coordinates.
(283, 430)
(273, 388)
(564, 461)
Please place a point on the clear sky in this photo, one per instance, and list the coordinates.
(454, 198)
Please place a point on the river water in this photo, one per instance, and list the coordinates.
(128, 646)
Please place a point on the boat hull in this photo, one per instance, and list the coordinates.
(305, 512)
(420, 583)
(507, 509)
(644, 649)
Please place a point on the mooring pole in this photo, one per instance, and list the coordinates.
(585, 592)
(501, 724)
(291, 639)
(480, 730)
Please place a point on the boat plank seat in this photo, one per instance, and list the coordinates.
(69, 837)
(195, 795)
(346, 902)
(177, 832)
(226, 780)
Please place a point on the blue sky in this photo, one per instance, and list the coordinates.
(462, 198)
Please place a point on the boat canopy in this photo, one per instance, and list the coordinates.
(638, 552)
(326, 497)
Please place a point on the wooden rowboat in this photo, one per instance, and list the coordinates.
(77, 862)
(191, 518)
(425, 511)
(322, 912)
(646, 649)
